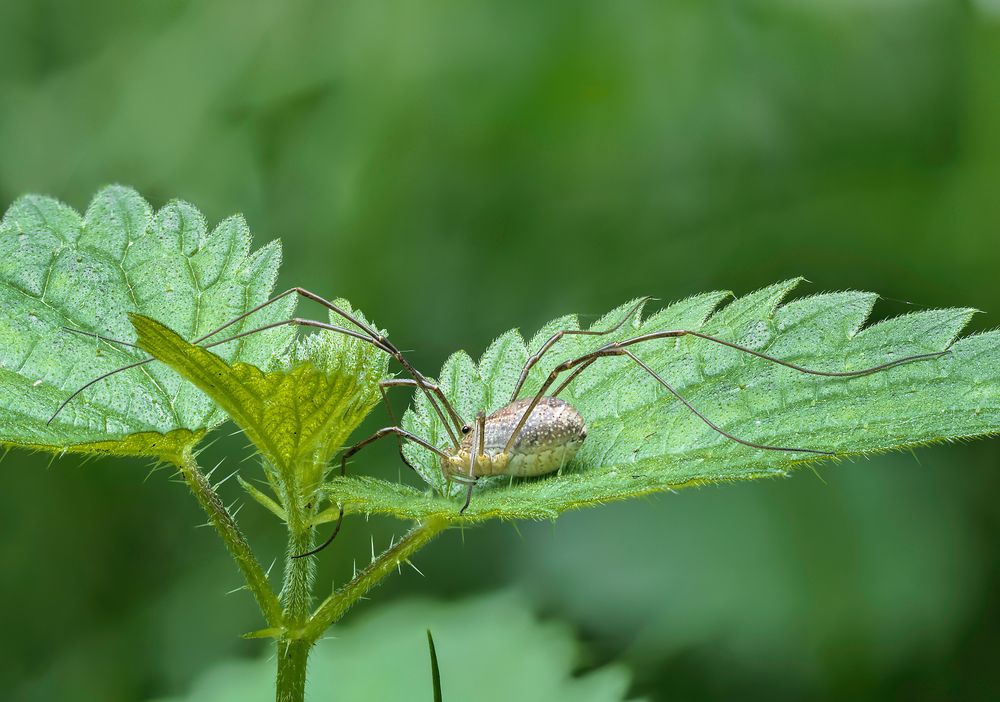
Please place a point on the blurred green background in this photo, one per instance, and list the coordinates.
(459, 168)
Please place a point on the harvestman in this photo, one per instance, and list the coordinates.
(530, 436)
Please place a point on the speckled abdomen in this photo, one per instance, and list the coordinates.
(547, 441)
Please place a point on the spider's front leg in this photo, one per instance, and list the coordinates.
(581, 363)
(475, 455)
(544, 349)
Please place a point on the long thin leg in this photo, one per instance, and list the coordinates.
(296, 321)
(101, 337)
(373, 336)
(382, 387)
(410, 383)
(303, 293)
(390, 348)
(675, 333)
(566, 332)
(329, 539)
(381, 433)
(479, 448)
(427, 387)
(572, 376)
(618, 348)
(708, 421)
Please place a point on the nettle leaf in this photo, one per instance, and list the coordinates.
(642, 440)
(58, 269)
(297, 415)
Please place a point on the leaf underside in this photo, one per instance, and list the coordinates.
(58, 269)
(642, 440)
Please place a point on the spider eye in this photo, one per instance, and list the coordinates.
(466, 429)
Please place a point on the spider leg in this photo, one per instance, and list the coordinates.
(411, 383)
(676, 333)
(380, 434)
(100, 337)
(329, 539)
(370, 335)
(478, 441)
(578, 364)
(583, 366)
(708, 421)
(142, 362)
(537, 356)
(375, 335)
(382, 387)
(619, 348)
(572, 376)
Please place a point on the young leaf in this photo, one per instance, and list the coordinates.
(297, 415)
(642, 440)
(58, 269)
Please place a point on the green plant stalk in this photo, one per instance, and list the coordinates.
(296, 597)
(300, 634)
(293, 651)
(232, 537)
(300, 631)
(290, 613)
(293, 656)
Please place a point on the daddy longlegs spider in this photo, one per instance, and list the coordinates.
(530, 436)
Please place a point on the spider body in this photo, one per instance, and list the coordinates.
(549, 438)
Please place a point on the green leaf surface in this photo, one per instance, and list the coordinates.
(60, 269)
(296, 415)
(489, 648)
(642, 440)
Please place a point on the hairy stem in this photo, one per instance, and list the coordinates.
(296, 591)
(232, 537)
(334, 606)
(296, 596)
(293, 655)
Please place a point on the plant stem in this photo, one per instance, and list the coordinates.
(296, 592)
(334, 606)
(231, 535)
(290, 613)
(293, 649)
(293, 655)
(296, 597)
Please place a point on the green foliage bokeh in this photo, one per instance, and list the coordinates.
(458, 169)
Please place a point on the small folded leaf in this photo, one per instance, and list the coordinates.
(58, 269)
(642, 440)
(270, 633)
(263, 500)
(298, 415)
